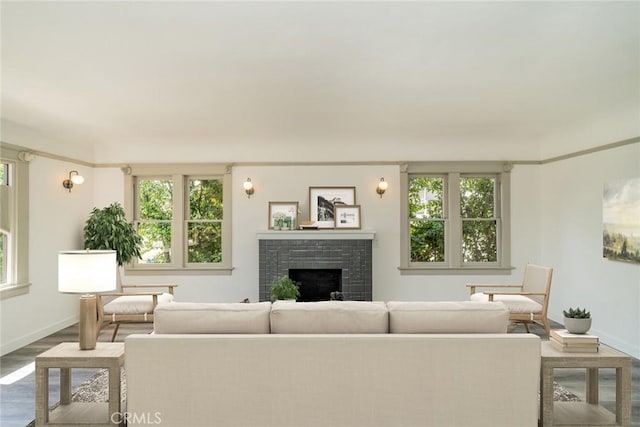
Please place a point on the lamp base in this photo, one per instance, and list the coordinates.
(88, 322)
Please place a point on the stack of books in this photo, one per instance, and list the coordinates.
(564, 340)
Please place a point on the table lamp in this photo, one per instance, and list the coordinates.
(87, 272)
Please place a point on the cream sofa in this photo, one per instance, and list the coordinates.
(332, 364)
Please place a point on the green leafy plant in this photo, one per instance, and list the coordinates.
(108, 229)
(284, 288)
(577, 313)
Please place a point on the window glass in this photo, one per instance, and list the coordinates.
(426, 219)
(479, 225)
(3, 258)
(204, 224)
(155, 213)
(5, 222)
(456, 218)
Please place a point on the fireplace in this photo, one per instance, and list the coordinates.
(316, 284)
(347, 254)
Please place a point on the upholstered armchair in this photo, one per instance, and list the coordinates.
(527, 302)
(131, 306)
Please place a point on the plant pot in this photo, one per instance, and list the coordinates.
(577, 326)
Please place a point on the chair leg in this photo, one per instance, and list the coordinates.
(526, 327)
(115, 332)
(547, 326)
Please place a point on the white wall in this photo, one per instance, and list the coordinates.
(382, 215)
(56, 220)
(556, 220)
(572, 243)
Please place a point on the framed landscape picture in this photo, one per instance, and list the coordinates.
(283, 215)
(347, 217)
(322, 202)
(621, 220)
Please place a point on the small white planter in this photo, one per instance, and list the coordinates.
(577, 326)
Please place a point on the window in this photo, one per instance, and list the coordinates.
(14, 223)
(456, 218)
(5, 229)
(183, 218)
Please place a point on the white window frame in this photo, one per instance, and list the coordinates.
(16, 197)
(452, 172)
(180, 174)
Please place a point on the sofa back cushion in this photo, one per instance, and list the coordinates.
(447, 317)
(329, 317)
(212, 318)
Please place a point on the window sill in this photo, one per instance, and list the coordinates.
(10, 291)
(447, 271)
(173, 271)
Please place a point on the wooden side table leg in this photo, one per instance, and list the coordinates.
(623, 395)
(65, 386)
(546, 395)
(114, 393)
(42, 396)
(592, 385)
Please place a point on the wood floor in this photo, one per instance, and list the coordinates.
(17, 400)
(17, 405)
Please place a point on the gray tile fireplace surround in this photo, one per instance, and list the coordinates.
(353, 256)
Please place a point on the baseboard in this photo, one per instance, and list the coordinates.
(8, 347)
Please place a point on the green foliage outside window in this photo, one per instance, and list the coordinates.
(205, 220)
(479, 227)
(155, 213)
(427, 219)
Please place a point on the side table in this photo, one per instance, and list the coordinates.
(66, 356)
(589, 412)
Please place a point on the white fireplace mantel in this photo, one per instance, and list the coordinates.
(317, 235)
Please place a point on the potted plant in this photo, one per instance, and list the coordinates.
(283, 288)
(108, 229)
(577, 321)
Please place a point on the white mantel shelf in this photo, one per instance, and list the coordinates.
(317, 235)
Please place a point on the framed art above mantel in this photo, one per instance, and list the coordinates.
(322, 202)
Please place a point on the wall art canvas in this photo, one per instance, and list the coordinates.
(621, 220)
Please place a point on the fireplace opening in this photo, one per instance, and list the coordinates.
(317, 284)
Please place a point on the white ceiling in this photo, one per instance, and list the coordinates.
(524, 79)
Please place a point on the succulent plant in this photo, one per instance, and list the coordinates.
(577, 313)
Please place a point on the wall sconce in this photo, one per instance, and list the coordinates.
(248, 187)
(74, 178)
(382, 187)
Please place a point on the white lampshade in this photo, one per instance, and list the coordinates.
(87, 271)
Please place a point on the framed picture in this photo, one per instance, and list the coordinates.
(283, 215)
(322, 201)
(347, 217)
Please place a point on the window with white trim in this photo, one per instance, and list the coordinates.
(456, 218)
(14, 223)
(183, 216)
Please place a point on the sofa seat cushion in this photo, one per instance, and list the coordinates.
(447, 317)
(212, 318)
(329, 317)
(135, 304)
(515, 303)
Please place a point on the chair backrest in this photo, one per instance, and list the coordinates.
(538, 279)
